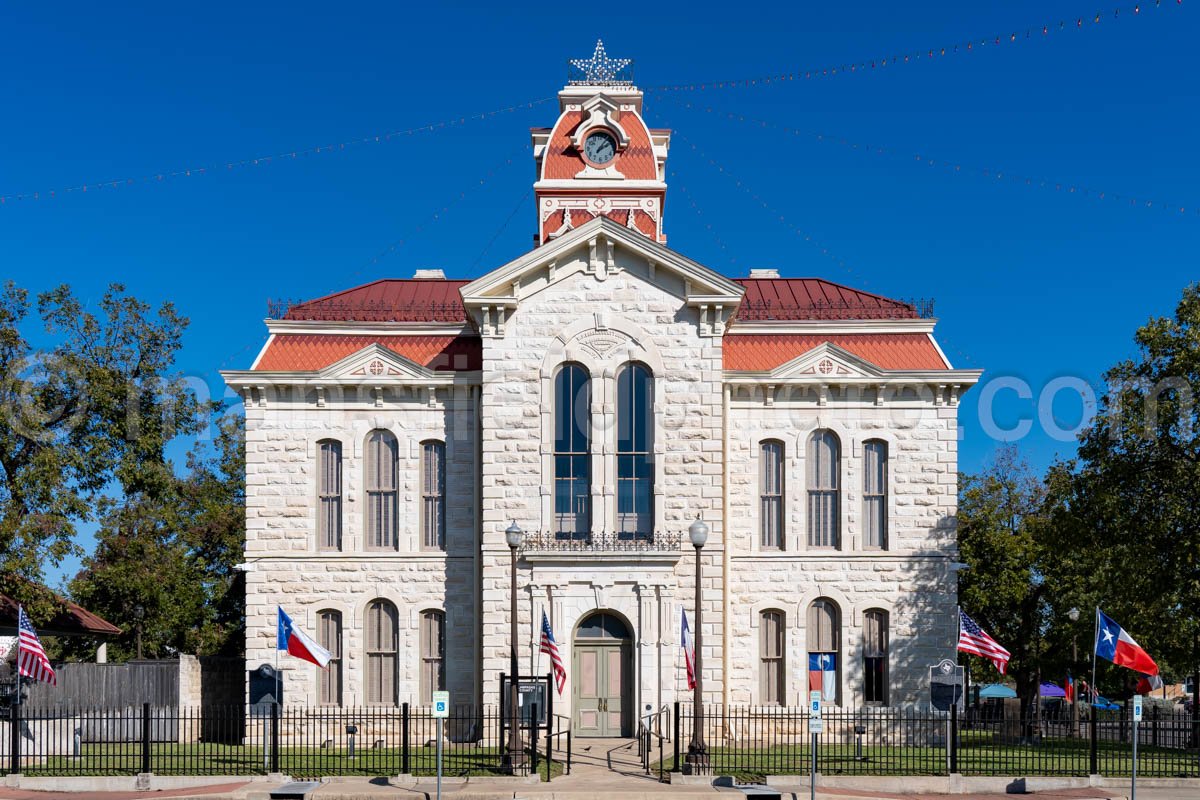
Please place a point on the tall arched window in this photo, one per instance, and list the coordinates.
(770, 470)
(875, 479)
(635, 453)
(824, 489)
(433, 654)
(875, 657)
(572, 453)
(382, 643)
(771, 636)
(824, 644)
(382, 489)
(329, 495)
(433, 496)
(329, 636)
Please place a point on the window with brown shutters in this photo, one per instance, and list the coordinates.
(875, 480)
(433, 654)
(382, 637)
(329, 636)
(433, 496)
(824, 490)
(382, 486)
(772, 633)
(329, 495)
(771, 495)
(875, 657)
(823, 635)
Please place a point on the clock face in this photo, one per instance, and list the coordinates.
(599, 147)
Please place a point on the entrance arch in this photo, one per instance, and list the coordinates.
(602, 654)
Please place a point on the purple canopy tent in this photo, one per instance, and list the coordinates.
(1052, 690)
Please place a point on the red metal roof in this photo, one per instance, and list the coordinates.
(755, 352)
(388, 300)
(306, 352)
(814, 298)
(69, 619)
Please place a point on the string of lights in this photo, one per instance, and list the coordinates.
(956, 167)
(263, 160)
(1124, 11)
(806, 237)
(682, 189)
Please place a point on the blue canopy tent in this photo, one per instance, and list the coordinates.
(996, 691)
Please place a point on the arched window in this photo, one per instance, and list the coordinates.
(875, 657)
(433, 654)
(329, 495)
(382, 643)
(572, 453)
(824, 643)
(771, 636)
(382, 489)
(770, 471)
(824, 493)
(433, 496)
(329, 636)
(635, 453)
(875, 480)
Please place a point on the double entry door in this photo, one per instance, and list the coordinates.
(601, 686)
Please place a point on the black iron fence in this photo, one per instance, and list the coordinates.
(754, 741)
(298, 741)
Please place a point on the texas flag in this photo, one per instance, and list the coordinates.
(297, 643)
(822, 675)
(1114, 644)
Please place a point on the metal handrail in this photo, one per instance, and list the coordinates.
(650, 725)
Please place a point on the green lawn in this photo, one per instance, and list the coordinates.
(977, 755)
(216, 759)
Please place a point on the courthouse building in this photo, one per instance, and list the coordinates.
(603, 391)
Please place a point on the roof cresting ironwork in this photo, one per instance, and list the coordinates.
(600, 70)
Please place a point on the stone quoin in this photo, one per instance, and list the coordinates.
(602, 391)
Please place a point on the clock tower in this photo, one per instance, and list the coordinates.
(600, 158)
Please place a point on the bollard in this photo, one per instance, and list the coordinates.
(350, 731)
(77, 743)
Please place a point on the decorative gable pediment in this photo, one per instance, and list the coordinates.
(827, 362)
(592, 248)
(376, 362)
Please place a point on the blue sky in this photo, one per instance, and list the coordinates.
(1030, 282)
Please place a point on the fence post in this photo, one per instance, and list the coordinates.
(275, 715)
(145, 737)
(404, 765)
(14, 729)
(549, 745)
(1094, 764)
(676, 736)
(533, 732)
(953, 738)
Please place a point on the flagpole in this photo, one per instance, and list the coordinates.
(1095, 639)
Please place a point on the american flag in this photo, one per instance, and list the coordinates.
(550, 648)
(31, 658)
(972, 639)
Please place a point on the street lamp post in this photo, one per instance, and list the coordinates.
(514, 755)
(696, 762)
(1074, 615)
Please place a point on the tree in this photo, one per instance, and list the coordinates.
(1125, 509)
(1001, 520)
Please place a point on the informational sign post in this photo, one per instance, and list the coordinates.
(1137, 719)
(816, 726)
(441, 710)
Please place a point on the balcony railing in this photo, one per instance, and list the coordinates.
(603, 542)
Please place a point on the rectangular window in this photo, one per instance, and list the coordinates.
(875, 477)
(771, 647)
(329, 495)
(635, 453)
(433, 654)
(433, 496)
(824, 644)
(382, 491)
(329, 636)
(824, 524)
(771, 498)
(572, 454)
(875, 658)
(382, 642)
